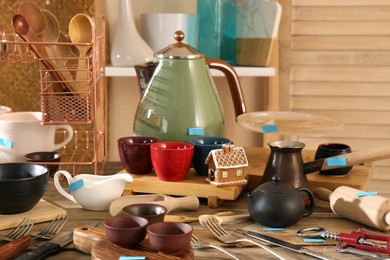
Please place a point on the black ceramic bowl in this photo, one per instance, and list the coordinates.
(333, 149)
(22, 185)
(42, 157)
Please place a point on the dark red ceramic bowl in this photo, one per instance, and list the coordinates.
(169, 237)
(126, 230)
(171, 160)
(134, 153)
(154, 213)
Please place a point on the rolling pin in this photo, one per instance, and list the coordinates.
(373, 211)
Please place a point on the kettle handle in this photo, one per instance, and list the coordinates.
(312, 206)
(233, 81)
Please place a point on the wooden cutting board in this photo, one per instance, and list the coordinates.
(93, 241)
(43, 211)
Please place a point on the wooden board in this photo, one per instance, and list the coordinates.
(94, 241)
(43, 211)
(258, 157)
(194, 185)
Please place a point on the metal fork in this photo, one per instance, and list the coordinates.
(198, 244)
(52, 229)
(212, 224)
(22, 229)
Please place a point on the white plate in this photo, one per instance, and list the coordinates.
(288, 122)
(4, 109)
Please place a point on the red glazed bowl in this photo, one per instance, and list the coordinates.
(125, 230)
(169, 237)
(171, 160)
(134, 153)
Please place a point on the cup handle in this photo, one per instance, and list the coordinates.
(309, 210)
(68, 138)
(59, 187)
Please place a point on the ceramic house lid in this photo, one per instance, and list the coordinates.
(179, 50)
(222, 160)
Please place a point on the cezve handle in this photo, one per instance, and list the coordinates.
(353, 158)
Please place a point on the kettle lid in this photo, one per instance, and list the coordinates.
(179, 50)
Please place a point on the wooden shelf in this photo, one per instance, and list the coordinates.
(112, 71)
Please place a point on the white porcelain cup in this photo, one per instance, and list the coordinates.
(158, 28)
(22, 133)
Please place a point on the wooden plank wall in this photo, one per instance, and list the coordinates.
(334, 61)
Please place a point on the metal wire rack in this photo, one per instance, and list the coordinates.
(72, 91)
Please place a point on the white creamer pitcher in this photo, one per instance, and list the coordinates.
(22, 133)
(93, 192)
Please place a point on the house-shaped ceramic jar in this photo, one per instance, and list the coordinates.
(227, 166)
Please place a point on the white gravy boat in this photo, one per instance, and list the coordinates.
(93, 192)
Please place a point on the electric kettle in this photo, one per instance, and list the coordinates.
(180, 101)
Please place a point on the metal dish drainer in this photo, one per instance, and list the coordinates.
(72, 92)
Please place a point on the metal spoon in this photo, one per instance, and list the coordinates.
(80, 31)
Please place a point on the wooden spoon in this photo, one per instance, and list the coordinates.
(80, 32)
(65, 50)
(22, 28)
(34, 16)
(52, 34)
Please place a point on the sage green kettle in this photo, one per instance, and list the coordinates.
(181, 101)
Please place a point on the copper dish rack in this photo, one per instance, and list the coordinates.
(70, 93)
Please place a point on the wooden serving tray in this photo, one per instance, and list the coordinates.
(94, 241)
(194, 185)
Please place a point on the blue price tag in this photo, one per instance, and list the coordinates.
(76, 185)
(269, 128)
(272, 229)
(314, 240)
(132, 257)
(6, 143)
(196, 131)
(366, 193)
(336, 161)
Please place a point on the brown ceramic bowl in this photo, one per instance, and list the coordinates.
(41, 157)
(169, 237)
(154, 213)
(125, 231)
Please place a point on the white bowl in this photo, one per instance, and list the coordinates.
(4, 109)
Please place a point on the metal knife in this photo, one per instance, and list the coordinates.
(281, 243)
(49, 248)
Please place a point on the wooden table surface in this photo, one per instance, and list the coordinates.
(321, 217)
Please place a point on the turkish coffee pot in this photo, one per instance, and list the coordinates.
(181, 101)
(286, 162)
(276, 204)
